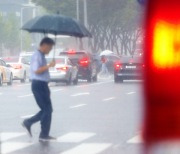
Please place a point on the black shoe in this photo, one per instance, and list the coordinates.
(27, 127)
(47, 139)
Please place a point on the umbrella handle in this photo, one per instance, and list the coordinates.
(54, 49)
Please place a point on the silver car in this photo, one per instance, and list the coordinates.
(64, 71)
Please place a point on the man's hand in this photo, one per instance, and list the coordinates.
(52, 64)
(45, 68)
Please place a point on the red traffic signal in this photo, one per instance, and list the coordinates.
(162, 73)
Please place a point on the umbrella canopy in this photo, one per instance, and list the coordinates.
(106, 52)
(56, 25)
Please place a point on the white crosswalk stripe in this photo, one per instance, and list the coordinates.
(135, 140)
(9, 147)
(10, 135)
(75, 137)
(88, 148)
(12, 142)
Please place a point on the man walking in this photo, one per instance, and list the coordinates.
(40, 78)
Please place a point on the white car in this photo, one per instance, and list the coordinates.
(6, 75)
(18, 69)
(20, 66)
(25, 59)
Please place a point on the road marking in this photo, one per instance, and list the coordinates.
(7, 136)
(27, 116)
(10, 147)
(75, 137)
(23, 85)
(109, 99)
(130, 93)
(1, 93)
(90, 148)
(81, 105)
(23, 96)
(93, 84)
(57, 90)
(80, 94)
(135, 140)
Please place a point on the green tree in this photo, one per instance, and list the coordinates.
(12, 33)
(113, 23)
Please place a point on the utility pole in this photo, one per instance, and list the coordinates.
(23, 7)
(85, 13)
(77, 9)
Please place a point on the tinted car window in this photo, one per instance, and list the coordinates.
(58, 60)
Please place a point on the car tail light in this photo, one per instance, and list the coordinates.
(84, 62)
(62, 68)
(117, 66)
(162, 73)
(71, 52)
(17, 66)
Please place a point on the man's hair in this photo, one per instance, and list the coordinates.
(47, 41)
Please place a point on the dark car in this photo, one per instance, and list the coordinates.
(128, 68)
(87, 69)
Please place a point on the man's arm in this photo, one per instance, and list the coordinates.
(45, 68)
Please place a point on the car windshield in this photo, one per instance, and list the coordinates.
(57, 60)
(131, 59)
(74, 57)
(26, 59)
(11, 59)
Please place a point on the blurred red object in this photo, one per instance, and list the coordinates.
(162, 73)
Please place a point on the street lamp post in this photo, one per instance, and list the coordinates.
(77, 9)
(85, 13)
(30, 5)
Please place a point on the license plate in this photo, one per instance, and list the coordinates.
(131, 67)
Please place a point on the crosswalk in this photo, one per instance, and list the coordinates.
(135, 140)
(90, 148)
(77, 143)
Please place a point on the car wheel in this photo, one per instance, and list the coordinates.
(24, 78)
(68, 82)
(116, 80)
(10, 80)
(89, 80)
(1, 80)
(121, 80)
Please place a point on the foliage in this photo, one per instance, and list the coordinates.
(10, 35)
(113, 23)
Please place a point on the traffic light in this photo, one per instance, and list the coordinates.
(162, 73)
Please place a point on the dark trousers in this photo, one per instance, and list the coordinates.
(41, 93)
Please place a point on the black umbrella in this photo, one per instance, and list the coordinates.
(57, 25)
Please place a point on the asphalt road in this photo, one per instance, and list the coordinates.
(96, 118)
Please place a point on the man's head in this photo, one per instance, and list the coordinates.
(46, 45)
